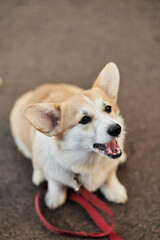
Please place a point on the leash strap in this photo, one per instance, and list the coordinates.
(85, 199)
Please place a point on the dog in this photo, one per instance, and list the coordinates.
(73, 137)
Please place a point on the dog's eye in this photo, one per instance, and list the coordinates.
(108, 109)
(85, 120)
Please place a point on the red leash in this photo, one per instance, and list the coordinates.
(85, 199)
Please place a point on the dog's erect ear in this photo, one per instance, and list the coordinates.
(44, 117)
(108, 80)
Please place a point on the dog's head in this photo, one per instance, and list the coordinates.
(86, 121)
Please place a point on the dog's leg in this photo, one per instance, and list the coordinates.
(56, 194)
(37, 177)
(113, 190)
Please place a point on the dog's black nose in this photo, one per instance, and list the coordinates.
(114, 130)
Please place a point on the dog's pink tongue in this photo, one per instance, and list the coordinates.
(112, 147)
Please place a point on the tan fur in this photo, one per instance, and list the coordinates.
(97, 90)
(45, 93)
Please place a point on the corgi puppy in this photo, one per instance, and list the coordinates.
(73, 136)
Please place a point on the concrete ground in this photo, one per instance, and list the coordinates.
(70, 41)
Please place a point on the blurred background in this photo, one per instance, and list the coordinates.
(71, 41)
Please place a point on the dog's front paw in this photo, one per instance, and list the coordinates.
(115, 193)
(55, 200)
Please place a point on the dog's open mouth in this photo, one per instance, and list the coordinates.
(111, 149)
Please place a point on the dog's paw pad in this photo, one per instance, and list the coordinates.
(116, 194)
(55, 200)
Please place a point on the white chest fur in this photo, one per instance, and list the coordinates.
(61, 166)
